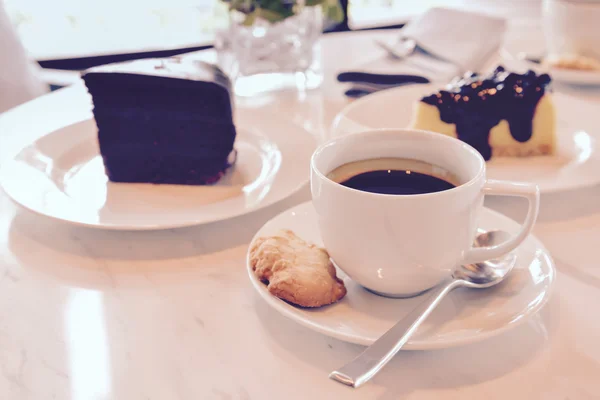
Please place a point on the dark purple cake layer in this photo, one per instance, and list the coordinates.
(166, 169)
(163, 121)
(114, 95)
(165, 131)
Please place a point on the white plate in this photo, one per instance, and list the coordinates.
(576, 165)
(574, 77)
(559, 75)
(465, 316)
(61, 175)
(513, 58)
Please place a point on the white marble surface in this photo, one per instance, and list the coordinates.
(87, 314)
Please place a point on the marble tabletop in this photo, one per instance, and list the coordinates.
(89, 314)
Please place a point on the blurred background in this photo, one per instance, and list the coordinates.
(74, 34)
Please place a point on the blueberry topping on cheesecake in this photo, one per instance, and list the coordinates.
(503, 114)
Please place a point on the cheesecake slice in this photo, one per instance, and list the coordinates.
(503, 114)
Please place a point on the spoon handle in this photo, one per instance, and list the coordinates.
(367, 364)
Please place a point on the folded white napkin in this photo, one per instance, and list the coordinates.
(449, 43)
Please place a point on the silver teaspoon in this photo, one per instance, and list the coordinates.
(475, 276)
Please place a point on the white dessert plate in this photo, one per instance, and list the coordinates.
(575, 77)
(559, 75)
(513, 59)
(465, 316)
(576, 164)
(61, 175)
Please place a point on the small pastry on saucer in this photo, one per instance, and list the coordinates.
(296, 271)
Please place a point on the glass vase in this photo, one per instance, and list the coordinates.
(266, 56)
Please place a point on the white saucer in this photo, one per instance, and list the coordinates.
(61, 175)
(465, 316)
(576, 165)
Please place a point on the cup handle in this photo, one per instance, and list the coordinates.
(503, 188)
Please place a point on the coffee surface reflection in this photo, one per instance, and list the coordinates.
(394, 176)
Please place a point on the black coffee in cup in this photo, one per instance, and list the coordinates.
(395, 176)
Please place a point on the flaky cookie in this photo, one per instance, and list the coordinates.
(296, 271)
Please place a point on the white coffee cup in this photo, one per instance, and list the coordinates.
(572, 27)
(402, 245)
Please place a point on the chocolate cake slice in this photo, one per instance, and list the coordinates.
(166, 121)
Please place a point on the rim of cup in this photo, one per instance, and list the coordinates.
(399, 131)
